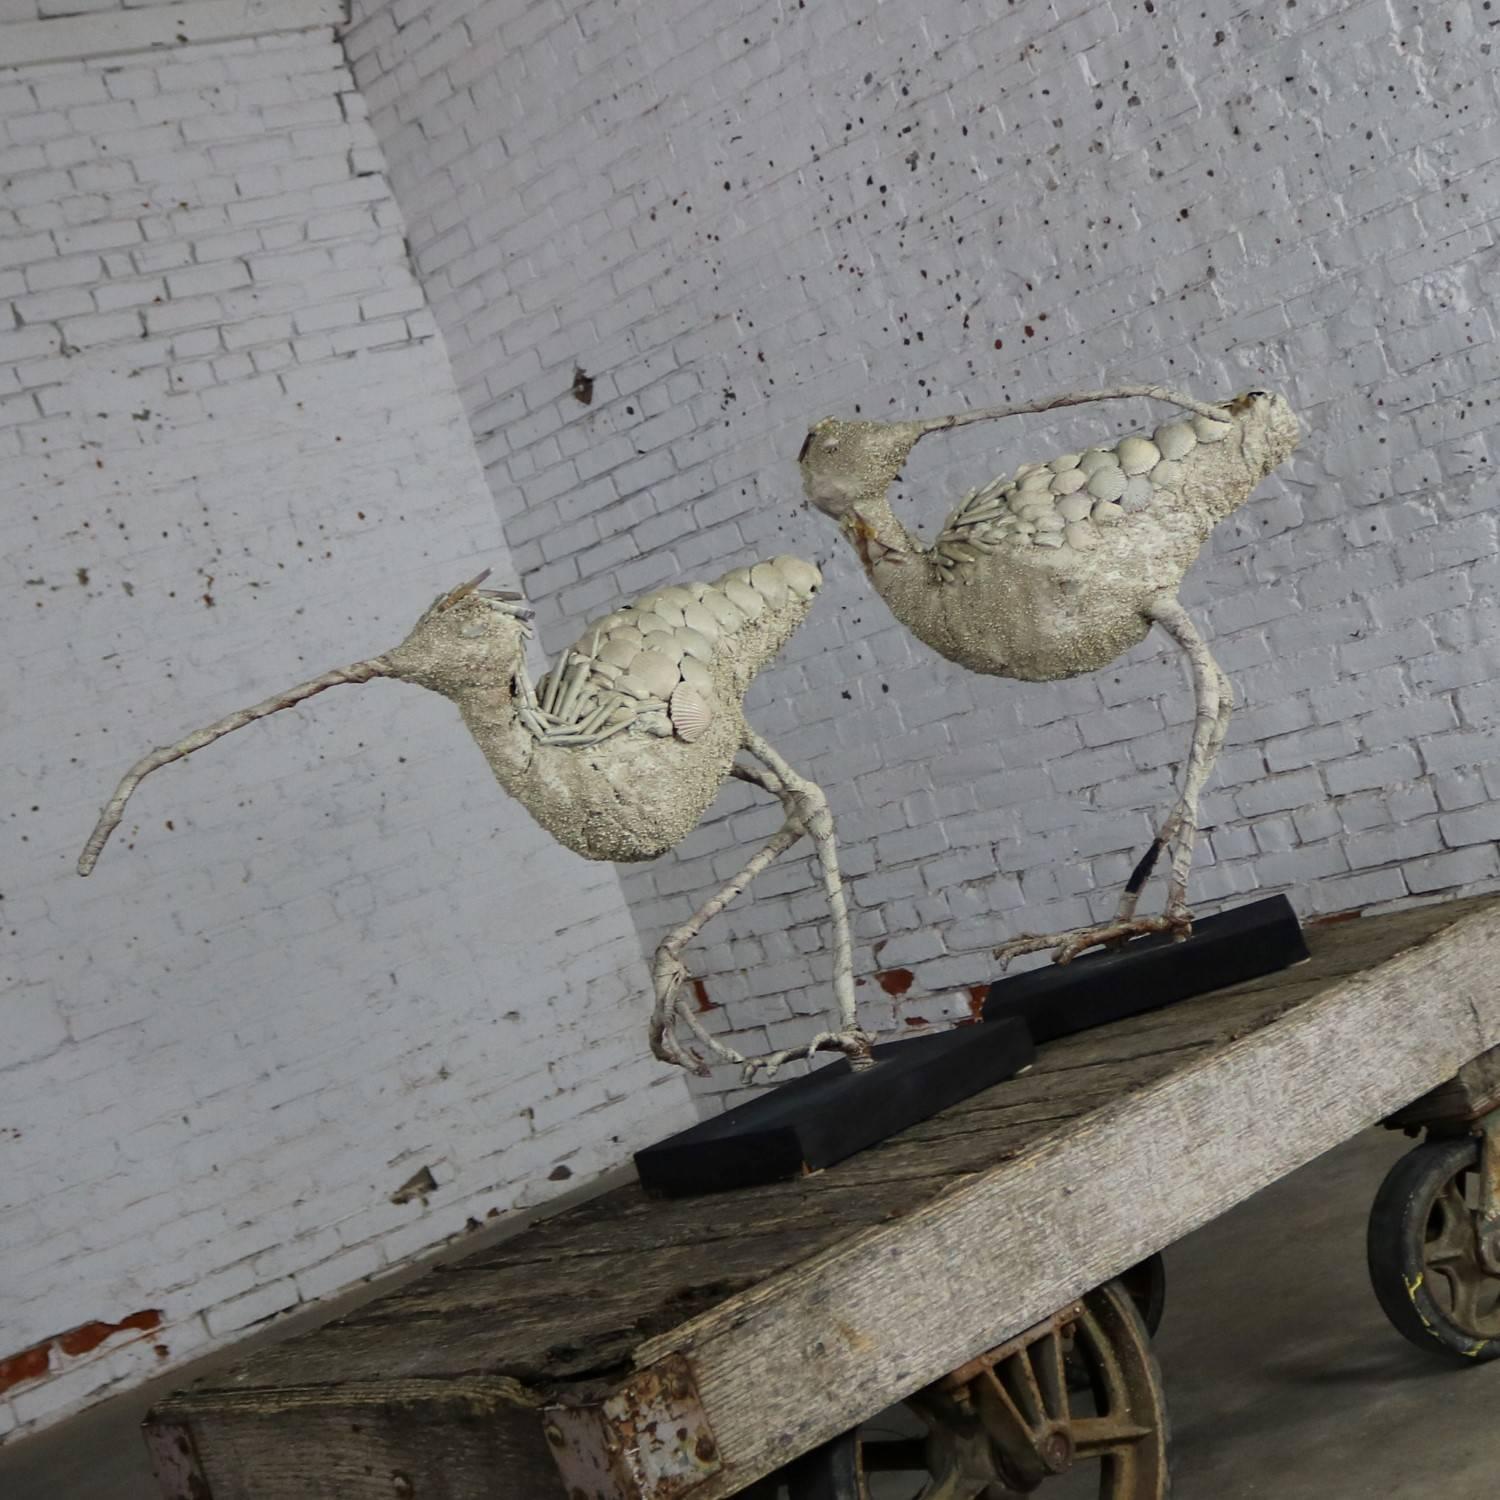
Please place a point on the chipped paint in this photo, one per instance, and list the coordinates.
(37, 1361)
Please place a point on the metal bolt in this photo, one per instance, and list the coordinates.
(554, 1434)
(1056, 1451)
(705, 1449)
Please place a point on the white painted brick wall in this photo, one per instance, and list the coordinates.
(329, 952)
(737, 217)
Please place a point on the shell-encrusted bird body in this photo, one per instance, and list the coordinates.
(618, 751)
(1047, 573)
(1064, 566)
(621, 747)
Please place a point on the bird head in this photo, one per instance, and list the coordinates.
(844, 463)
(467, 636)
(1268, 426)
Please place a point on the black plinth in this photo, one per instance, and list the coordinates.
(1150, 972)
(834, 1111)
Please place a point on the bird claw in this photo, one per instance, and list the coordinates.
(855, 1045)
(668, 976)
(1066, 946)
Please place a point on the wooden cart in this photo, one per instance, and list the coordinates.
(634, 1349)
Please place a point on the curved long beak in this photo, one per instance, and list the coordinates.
(1075, 398)
(114, 810)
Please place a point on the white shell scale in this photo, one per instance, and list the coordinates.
(1068, 500)
(650, 664)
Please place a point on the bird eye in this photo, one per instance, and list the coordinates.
(831, 446)
(1253, 394)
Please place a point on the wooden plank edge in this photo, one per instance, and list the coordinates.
(805, 1356)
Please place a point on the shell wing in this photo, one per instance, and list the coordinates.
(651, 663)
(1071, 500)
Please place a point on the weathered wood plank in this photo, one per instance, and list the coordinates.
(802, 1357)
(444, 1440)
(1473, 1091)
(806, 1306)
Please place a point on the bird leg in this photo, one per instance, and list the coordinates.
(813, 813)
(1179, 833)
(1179, 823)
(807, 813)
(668, 973)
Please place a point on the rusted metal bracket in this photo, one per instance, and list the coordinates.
(650, 1440)
(174, 1459)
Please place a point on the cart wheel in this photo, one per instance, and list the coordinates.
(1423, 1248)
(1147, 1285)
(1081, 1389)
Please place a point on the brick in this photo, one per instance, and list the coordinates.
(1348, 602)
(204, 423)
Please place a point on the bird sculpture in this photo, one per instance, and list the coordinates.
(1061, 568)
(618, 750)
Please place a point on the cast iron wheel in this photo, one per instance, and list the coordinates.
(1423, 1248)
(1081, 1389)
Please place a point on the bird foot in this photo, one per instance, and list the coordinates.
(1066, 946)
(668, 975)
(855, 1045)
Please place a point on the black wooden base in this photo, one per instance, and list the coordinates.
(1150, 972)
(834, 1111)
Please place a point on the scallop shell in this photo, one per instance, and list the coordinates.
(1175, 439)
(1138, 455)
(1068, 481)
(1050, 522)
(1107, 483)
(690, 711)
(658, 674)
(695, 617)
(1074, 507)
(1024, 470)
(1080, 535)
(620, 650)
(675, 595)
(696, 675)
(1095, 458)
(664, 643)
(691, 643)
(1066, 462)
(1167, 475)
(1210, 431)
(801, 576)
(1137, 494)
(1034, 511)
(744, 598)
(697, 588)
(648, 622)
(729, 615)
(1107, 513)
(1047, 539)
(1038, 479)
(663, 609)
(766, 580)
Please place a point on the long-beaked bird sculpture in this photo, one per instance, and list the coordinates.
(618, 750)
(1061, 568)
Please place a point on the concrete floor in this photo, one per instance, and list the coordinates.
(1284, 1378)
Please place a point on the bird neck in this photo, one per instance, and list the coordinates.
(489, 709)
(878, 537)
